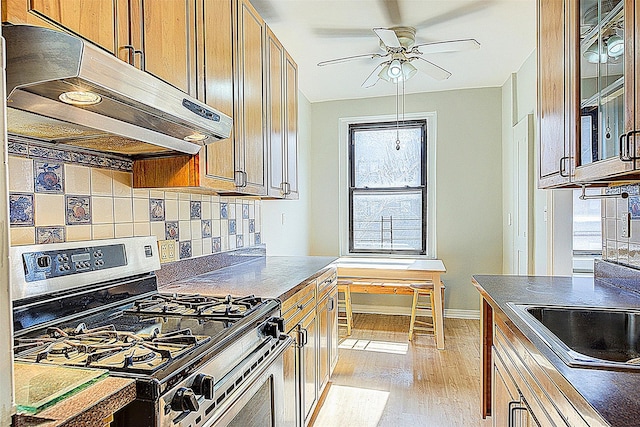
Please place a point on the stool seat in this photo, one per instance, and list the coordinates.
(345, 316)
(425, 287)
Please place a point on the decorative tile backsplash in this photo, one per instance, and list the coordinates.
(52, 200)
(616, 246)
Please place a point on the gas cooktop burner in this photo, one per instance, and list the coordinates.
(106, 347)
(197, 305)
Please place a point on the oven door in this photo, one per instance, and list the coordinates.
(260, 402)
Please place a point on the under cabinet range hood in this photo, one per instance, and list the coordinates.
(62, 89)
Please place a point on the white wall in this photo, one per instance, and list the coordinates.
(468, 180)
(285, 223)
(519, 100)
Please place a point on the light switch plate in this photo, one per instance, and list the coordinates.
(626, 225)
(167, 249)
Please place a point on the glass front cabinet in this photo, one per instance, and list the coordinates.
(588, 129)
(605, 143)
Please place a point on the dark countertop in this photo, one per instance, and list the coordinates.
(267, 277)
(611, 393)
(88, 408)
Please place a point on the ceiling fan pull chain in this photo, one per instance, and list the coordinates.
(397, 118)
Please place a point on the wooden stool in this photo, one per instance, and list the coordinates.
(422, 289)
(345, 316)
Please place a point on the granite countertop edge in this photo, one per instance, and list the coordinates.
(607, 391)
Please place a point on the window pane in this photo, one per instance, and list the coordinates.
(390, 221)
(378, 164)
(587, 223)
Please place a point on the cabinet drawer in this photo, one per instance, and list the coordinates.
(326, 282)
(299, 305)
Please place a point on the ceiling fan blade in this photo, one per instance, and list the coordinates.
(350, 58)
(342, 32)
(388, 37)
(431, 69)
(392, 10)
(458, 12)
(448, 46)
(373, 77)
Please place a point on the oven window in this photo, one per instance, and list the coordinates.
(258, 412)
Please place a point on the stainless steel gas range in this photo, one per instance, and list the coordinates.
(197, 360)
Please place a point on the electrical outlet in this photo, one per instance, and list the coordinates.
(167, 249)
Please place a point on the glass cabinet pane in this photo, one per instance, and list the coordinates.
(601, 79)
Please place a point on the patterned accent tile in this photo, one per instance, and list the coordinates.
(216, 245)
(232, 226)
(185, 249)
(245, 211)
(45, 235)
(78, 210)
(196, 210)
(239, 241)
(634, 207)
(21, 209)
(49, 177)
(171, 230)
(224, 210)
(258, 241)
(18, 148)
(156, 209)
(252, 226)
(206, 228)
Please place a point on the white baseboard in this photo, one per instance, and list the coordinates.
(406, 311)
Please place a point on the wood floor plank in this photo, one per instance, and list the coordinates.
(383, 380)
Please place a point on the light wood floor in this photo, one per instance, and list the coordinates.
(383, 380)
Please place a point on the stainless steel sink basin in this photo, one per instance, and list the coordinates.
(585, 336)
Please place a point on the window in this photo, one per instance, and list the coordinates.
(587, 231)
(388, 188)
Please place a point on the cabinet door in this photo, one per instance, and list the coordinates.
(508, 407)
(94, 20)
(248, 120)
(275, 117)
(290, 361)
(216, 88)
(167, 46)
(605, 86)
(333, 329)
(323, 343)
(554, 150)
(291, 127)
(309, 365)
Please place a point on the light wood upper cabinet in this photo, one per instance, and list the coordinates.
(282, 121)
(588, 112)
(97, 21)
(553, 69)
(164, 39)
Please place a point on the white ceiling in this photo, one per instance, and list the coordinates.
(318, 30)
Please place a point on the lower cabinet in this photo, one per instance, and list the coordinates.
(511, 409)
(311, 321)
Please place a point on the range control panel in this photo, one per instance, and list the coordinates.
(56, 263)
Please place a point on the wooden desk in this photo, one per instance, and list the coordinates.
(389, 276)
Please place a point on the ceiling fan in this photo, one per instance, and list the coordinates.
(401, 53)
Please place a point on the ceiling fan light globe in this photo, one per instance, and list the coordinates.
(408, 70)
(615, 46)
(593, 56)
(395, 69)
(384, 73)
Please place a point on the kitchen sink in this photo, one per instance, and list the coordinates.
(585, 336)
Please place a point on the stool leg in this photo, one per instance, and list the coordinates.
(347, 298)
(413, 314)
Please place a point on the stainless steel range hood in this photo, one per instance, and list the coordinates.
(137, 114)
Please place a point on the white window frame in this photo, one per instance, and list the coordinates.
(343, 159)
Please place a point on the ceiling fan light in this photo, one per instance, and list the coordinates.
(384, 73)
(615, 46)
(395, 69)
(408, 70)
(593, 56)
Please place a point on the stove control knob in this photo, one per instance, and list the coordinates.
(273, 327)
(184, 400)
(203, 385)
